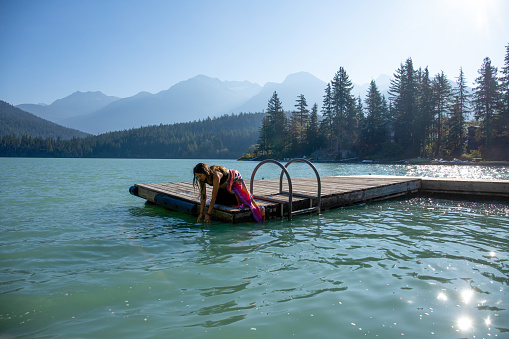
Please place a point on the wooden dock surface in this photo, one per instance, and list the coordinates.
(336, 191)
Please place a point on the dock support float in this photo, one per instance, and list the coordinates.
(169, 202)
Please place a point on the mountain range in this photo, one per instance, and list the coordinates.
(193, 99)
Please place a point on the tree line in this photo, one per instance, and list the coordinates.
(424, 116)
(227, 136)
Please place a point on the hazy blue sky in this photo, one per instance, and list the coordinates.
(52, 48)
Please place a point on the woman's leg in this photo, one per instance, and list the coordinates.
(246, 198)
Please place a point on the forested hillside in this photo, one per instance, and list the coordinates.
(224, 137)
(16, 122)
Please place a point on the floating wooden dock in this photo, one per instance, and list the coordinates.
(336, 191)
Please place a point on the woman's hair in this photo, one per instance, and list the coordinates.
(205, 169)
(198, 169)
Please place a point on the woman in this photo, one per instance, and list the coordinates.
(222, 179)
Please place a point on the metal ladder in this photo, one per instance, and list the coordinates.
(290, 189)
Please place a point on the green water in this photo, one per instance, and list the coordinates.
(80, 257)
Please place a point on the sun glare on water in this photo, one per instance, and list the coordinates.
(467, 295)
(464, 323)
(442, 296)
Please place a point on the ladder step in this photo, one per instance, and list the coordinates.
(304, 211)
(300, 195)
(270, 199)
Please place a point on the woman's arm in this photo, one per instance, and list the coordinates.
(216, 178)
(203, 199)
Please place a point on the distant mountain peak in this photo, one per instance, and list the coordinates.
(299, 75)
(142, 94)
(203, 76)
(84, 97)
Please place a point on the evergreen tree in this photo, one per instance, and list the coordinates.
(344, 112)
(263, 139)
(454, 130)
(486, 102)
(403, 93)
(326, 126)
(277, 126)
(293, 138)
(461, 93)
(424, 119)
(503, 126)
(500, 148)
(302, 111)
(441, 100)
(313, 137)
(357, 123)
(386, 112)
(373, 132)
(299, 123)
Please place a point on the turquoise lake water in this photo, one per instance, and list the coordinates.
(82, 258)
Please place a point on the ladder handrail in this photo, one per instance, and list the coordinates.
(283, 168)
(319, 196)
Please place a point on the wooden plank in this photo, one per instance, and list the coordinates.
(330, 185)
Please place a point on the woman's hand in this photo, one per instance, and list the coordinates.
(207, 217)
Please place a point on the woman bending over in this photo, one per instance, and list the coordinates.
(223, 181)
